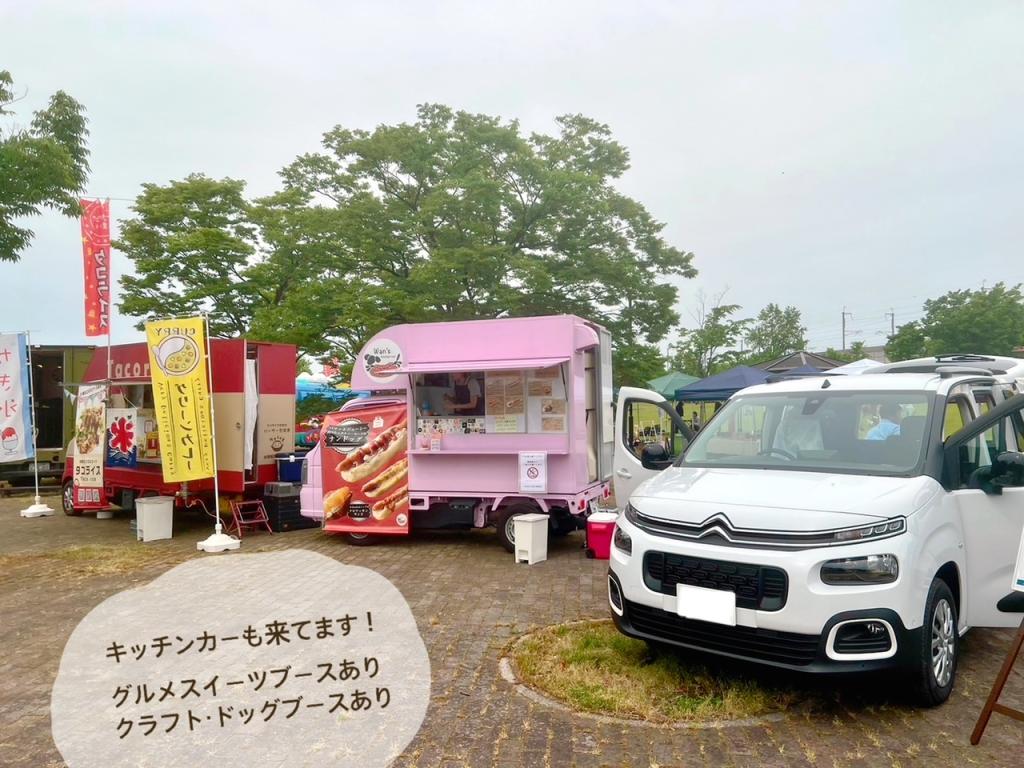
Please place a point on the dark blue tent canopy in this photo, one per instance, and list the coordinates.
(723, 385)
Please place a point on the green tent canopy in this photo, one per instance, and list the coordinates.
(667, 385)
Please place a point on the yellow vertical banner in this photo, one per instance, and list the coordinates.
(181, 397)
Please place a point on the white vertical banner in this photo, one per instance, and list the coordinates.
(16, 443)
(90, 443)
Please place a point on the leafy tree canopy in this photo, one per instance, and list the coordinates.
(982, 321)
(455, 216)
(776, 331)
(42, 166)
(710, 346)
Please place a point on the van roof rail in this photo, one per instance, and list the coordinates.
(948, 371)
(963, 357)
(784, 376)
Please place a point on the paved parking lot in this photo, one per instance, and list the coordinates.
(470, 600)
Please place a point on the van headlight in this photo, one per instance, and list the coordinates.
(622, 541)
(873, 569)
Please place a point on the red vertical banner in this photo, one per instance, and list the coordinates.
(96, 254)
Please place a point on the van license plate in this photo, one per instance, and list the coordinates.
(715, 605)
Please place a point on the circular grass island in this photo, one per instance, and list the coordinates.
(589, 666)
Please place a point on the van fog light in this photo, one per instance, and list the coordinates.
(622, 541)
(858, 637)
(873, 569)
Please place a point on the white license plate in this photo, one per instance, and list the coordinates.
(44, 466)
(715, 605)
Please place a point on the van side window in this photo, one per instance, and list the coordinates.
(958, 414)
(972, 456)
(647, 423)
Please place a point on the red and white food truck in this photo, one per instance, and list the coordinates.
(254, 410)
(469, 424)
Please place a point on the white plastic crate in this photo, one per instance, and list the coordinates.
(154, 516)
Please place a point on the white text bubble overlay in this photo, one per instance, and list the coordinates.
(277, 659)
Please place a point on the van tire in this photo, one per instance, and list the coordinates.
(506, 527)
(935, 669)
(67, 499)
(361, 539)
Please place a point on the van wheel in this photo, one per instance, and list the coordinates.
(506, 525)
(67, 499)
(361, 539)
(939, 651)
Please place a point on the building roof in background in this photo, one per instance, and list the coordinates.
(798, 360)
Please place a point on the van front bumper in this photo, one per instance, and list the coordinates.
(784, 650)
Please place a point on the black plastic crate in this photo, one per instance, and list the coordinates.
(285, 514)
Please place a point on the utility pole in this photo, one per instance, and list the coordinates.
(845, 315)
(891, 314)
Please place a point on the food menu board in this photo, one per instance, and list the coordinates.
(531, 401)
(505, 401)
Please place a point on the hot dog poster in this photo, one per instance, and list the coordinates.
(366, 470)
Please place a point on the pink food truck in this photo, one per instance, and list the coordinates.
(469, 424)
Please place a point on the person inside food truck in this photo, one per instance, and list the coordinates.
(466, 398)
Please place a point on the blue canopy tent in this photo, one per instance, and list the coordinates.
(723, 385)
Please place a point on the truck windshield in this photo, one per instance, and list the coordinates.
(872, 433)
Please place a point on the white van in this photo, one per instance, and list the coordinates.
(827, 524)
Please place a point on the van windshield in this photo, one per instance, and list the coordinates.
(872, 433)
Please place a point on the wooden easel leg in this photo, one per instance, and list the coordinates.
(997, 686)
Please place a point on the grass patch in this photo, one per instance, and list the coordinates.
(592, 667)
(82, 561)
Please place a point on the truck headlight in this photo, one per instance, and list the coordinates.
(873, 569)
(622, 541)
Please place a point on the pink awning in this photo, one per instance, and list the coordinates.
(450, 366)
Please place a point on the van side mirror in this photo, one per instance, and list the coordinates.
(1008, 470)
(655, 456)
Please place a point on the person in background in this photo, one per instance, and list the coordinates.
(466, 398)
(888, 424)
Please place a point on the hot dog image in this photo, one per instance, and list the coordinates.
(368, 459)
(390, 504)
(336, 503)
(387, 479)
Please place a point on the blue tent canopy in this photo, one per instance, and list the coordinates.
(723, 385)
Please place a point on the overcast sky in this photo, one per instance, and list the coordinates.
(866, 155)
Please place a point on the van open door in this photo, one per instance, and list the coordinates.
(649, 436)
(984, 467)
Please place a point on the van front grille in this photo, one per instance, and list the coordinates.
(757, 587)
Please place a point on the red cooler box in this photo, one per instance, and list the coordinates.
(600, 529)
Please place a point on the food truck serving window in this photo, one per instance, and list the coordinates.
(532, 400)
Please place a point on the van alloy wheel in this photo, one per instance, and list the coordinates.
(943, 642)
(938, 647)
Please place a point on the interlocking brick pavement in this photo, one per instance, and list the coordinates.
(470, 600)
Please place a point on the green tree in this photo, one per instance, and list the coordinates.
(455, 216)
(776, 331)
(710, 346)
(190, 243)
(854, 353)
(907, 343)
(983, 321)
(43, 166)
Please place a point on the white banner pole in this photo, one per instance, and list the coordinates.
(36, 509)
(219, 541)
